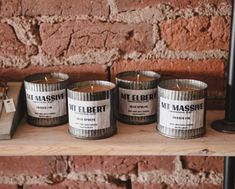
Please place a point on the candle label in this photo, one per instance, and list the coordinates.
(48, 104)
(137, 102)
(183, 115)
(9, 105)
(89, 115)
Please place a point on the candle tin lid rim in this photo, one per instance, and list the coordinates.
(34, 77)
(91, 82)
(156, 76)
(203, 85)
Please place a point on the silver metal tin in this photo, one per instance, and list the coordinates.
(181, 113)
(36, 117)
(104, 124)
(133, 110)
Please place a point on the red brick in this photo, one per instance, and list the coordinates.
(93, 185)
(210, 71)
(56, 186)
(10, 8)
(72, 37)
(174, 186)
(76, 73)
(199, 186)
(107, 164)
(156, 163)
(8, 186)
(32, 166)
(197, 33)
(206, 164)
(136, 4)
(9, 44)
(136, 185)
(65, 8)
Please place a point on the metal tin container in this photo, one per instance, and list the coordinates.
(137, 96)
(92, 113)
(46, 99)
(182, 108)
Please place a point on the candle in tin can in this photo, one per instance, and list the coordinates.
(137, 96)
(91, 109)
(46, 98)
(181, 108)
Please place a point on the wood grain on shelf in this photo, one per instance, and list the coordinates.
(130, 140)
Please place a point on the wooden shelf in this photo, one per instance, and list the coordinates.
(130, 140)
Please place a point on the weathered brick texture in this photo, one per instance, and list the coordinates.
(32, 166)
(197, 33)
(135, 4)
(173, 186)
(69, 38)
(10, 8)
(203, 163)
(8, 186)
(76, 73)
(9, 44)
(123, 165)
(65, 8)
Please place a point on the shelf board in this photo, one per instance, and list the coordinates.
(130, 140)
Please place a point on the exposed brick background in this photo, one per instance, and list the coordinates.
(96, 40)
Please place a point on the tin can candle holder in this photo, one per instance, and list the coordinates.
(91, 109)
(182, 108)
(137, 96)
(46, 99)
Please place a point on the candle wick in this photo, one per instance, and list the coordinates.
(138, 77)
(92, 88)
(177, 85)
(46, 79)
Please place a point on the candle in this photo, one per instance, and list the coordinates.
(137, 96)
(181, 111)
(46, 99)
(91, 109)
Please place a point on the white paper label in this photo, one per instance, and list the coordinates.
(89, 115)
(49, 104)
(183, 115)
(9, 105)
(137, 102)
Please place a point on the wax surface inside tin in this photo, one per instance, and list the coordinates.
(92, 88)
(47, 80)
(138, 78)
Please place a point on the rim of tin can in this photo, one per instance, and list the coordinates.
(91, 82)
(153, 74)
(196, 85)
(58, 75)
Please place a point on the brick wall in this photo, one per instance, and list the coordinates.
(96, 40)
